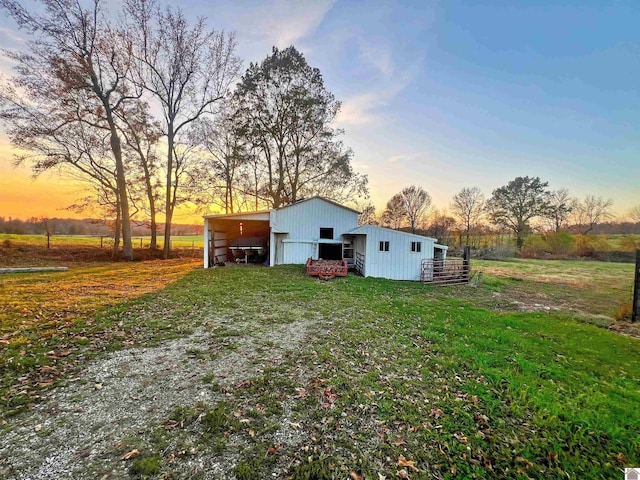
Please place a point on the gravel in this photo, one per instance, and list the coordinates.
(77, 431)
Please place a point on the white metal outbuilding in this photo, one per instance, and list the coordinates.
(318, 228)
(394, 254)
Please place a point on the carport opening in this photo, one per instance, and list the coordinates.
(330, 251)
(240, 241)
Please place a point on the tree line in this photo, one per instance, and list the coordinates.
(142, 105)
(522, 206)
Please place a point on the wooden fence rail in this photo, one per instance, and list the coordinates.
(452, 271)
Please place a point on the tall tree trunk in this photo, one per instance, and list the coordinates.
(116, 234)
(116, 147)
(152, 210)
(168, 197)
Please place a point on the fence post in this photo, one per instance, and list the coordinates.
(636, 290)
(466, 262)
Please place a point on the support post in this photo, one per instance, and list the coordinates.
(206, 243)
(466, 262)
(636, 290)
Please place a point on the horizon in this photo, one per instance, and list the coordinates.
(450, 96)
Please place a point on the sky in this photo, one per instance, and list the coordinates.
(443, 95)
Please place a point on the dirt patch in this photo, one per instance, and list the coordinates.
(79, 431)
(626, 328)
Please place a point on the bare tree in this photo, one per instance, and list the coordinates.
(468, 206)
(75, 71)
(394, 216)
(440, 225)
(187, 69)
(634, 213)
(225, 153)
(417, 203)
(368, 215)
(142, 134)
(591, 211)
(560, 206)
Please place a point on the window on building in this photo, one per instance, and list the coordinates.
(326, 233)
(384, 246)
(416, 247)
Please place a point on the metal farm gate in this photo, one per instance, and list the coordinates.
(452, 271)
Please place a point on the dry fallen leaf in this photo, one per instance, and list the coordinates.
(132, 454)
(382, 477)
(403, 462)
(302, 392)
(38, 427)
(355, 476)
(273, 450)
(403, 473)
(98, 386)
(399, 441)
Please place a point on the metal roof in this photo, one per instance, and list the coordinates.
(363, 230)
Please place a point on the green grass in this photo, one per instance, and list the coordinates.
(425, 373)
(452, 381)
(182, 241)
(596, 288)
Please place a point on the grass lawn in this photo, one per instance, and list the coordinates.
(61, 241)
(369, 378)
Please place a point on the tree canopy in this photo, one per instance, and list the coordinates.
(515, 204)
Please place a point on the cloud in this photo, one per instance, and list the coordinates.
(282, 23)
(365, 108)
(377, 56)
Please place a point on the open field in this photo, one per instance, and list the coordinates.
(250, 372)
(74, 241)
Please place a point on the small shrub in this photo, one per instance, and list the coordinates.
(584, 246)
(534, 246)
(561, 244)
(629, 243)
(624, 312)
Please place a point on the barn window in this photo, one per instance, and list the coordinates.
(326, 233)
(416, 247)
(384, 246)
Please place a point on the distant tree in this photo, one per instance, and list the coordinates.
(394, 215)
(417, 203)
(368, 215)
(187, 69)
(224, 154)
(468, 205)
(514, 205)
(591, 211)
(635, 214)
(560, 206)
(440, 226)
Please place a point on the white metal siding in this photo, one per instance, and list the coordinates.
(299, 252)
(302, 222)
(399, 263)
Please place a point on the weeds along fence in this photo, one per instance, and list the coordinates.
(189, 246)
